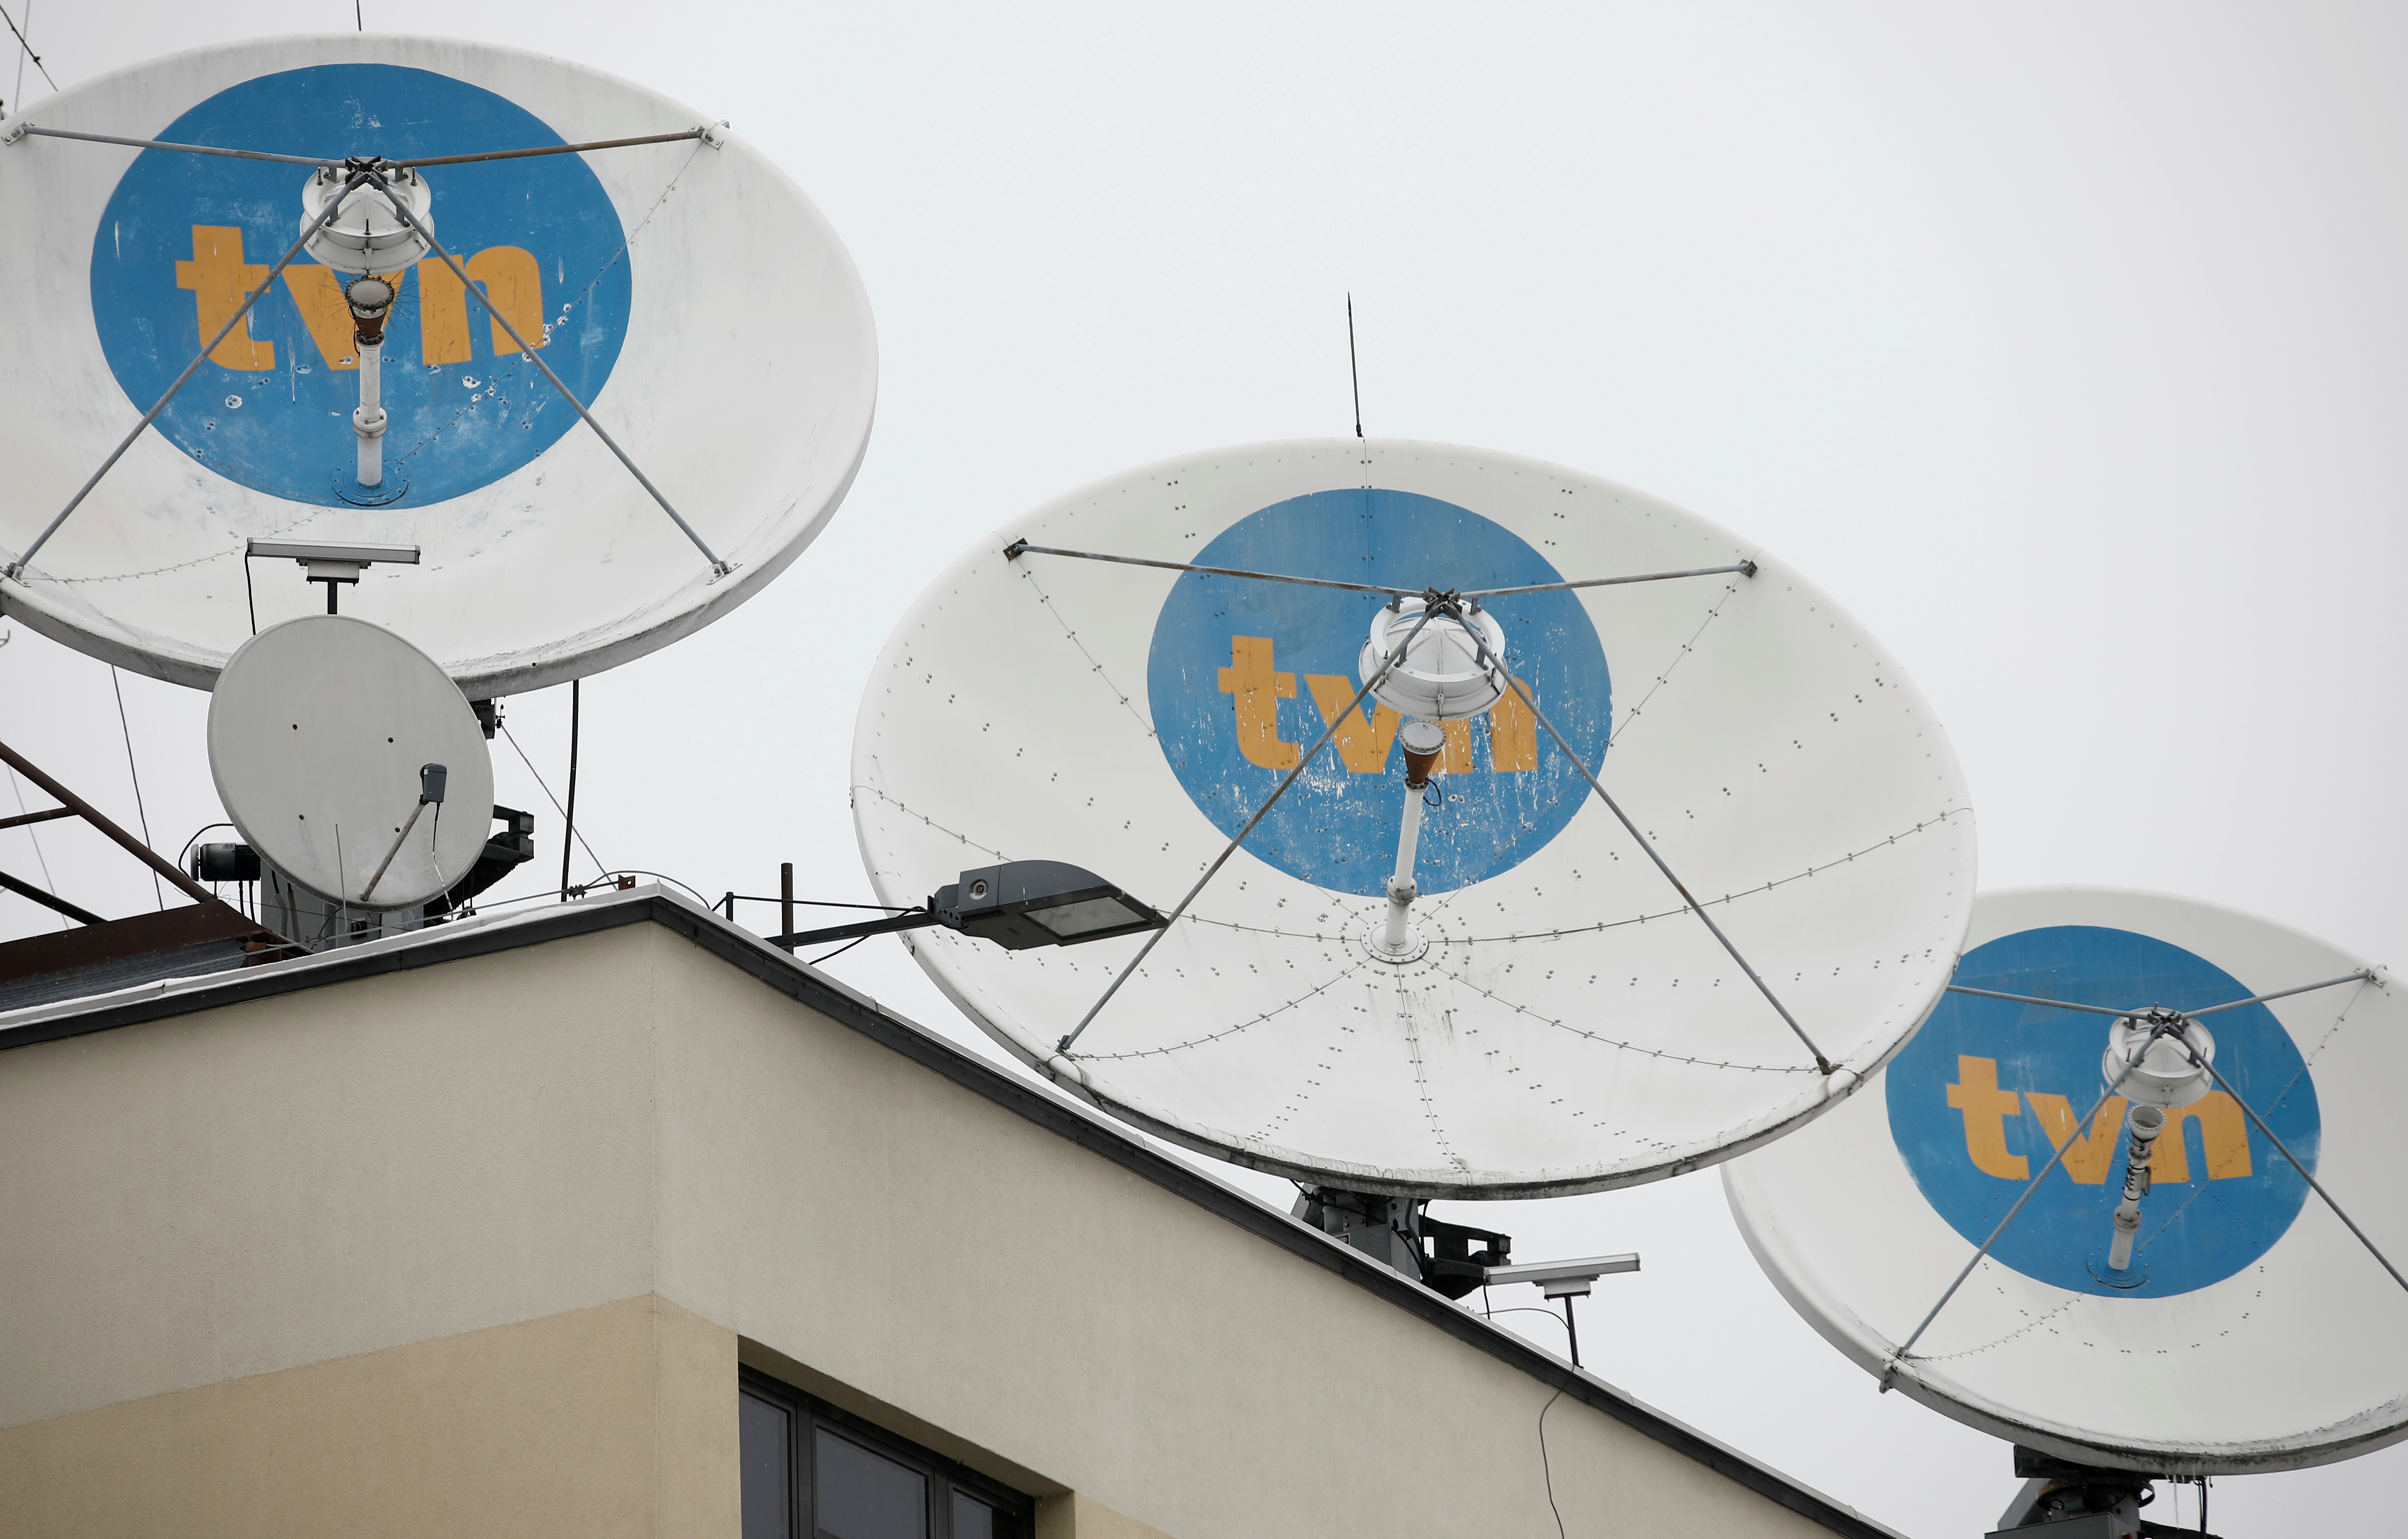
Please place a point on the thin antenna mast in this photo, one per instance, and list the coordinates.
(1353, 372)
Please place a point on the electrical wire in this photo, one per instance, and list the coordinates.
(197, 839)
(838, 952)
(1524, 1310)
(569, 814)
(639, 871)
(473, 906)
(1355, 376)
(156, 892)
(1547, 1466)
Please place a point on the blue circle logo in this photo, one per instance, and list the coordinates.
(1246, 675)
(1987, 1090)
(185, 237)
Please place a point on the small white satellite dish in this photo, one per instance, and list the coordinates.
(1479, 985)
(326, 737)
(601, 361)
(2249, 1327)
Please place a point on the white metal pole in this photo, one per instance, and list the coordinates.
(2147, 1122)
(368, 420)
(1401, 890)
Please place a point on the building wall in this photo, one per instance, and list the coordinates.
(446, 1201)
(613, 1422)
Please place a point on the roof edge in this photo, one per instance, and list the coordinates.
(1047, 1109)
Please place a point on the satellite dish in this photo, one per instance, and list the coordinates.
(326, 737)
(681, 288)
(1557, 1019)
(2248, 1329)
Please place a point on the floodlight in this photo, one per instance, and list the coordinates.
(1018, 904)
(1025, 904)
(1562, 1279)
(331, 563)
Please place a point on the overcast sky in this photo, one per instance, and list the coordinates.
(2064, 343)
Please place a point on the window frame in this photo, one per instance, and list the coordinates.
(1015, 1511)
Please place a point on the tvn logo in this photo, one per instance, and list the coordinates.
(2223, 1131)
(219, 278)
(1255, 686)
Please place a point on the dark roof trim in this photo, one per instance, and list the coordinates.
(1047, 1109)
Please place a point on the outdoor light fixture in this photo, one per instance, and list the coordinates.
(1564, 1279)
(1018, 904)
(330, 564)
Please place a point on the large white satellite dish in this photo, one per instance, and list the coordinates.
(683, 289)
(1560, 1020)
(2250, 1330)
(322, 731)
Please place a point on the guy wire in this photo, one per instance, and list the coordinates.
(136, 775)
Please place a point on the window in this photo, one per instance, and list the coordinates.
(812, 1472)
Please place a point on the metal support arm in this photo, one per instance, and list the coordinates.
(333, 206)
(1318, 744)
(1531, 704)
(718, 566)
(916, 919)
(34, 131)
(2081, 1130)
(1018, 549)
(92, 815)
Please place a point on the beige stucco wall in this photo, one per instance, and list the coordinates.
(243, 1197)
(612, 1422)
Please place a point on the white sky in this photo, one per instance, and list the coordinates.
(2063, 343)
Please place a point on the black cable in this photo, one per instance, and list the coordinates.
(1354, 375)
(1527, 1309)
(197, 839)
(838, 952)
(250, 601)
(136, 775)
(1546, 1466)
(569, 814)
